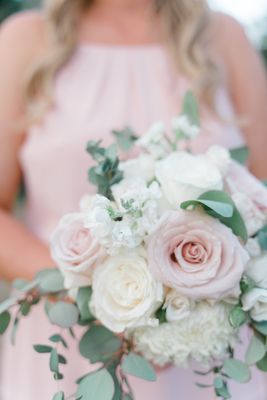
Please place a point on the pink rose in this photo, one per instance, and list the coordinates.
(196, 255)
(75, 251)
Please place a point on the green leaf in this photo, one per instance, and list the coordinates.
(14, 331)
(255, 351)
(112, 152)
(98, 344)
(25, 308)
(83, 299)
(64, 314)
(161, 315)
(58, 339)
(262, 364)
(125, 138)
(8, 303)
(190, 108)
(52, 282)
(219, 204)
(261, 327)
(53, 362)
(262, 238)
(237, 370)
(237, 316)
(221, 388)
(5, 318)
(23, 285)
(95, 150)
(112, 369)
(97, 386)
(59, 396)
(62, 359)
(40, 348)
(240, 154)
(133, 364)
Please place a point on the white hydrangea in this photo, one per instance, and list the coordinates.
(204, 335)
(154, 140)
(183, 125)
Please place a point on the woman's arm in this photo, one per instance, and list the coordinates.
(247, 79)
(21, 254)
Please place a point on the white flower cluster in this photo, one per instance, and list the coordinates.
(203, 335)
(126, 221)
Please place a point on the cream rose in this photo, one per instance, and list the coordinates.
(255, 302)
(184, 176)
(257, 271)
(124, 293)
(196, 255)
(75, 251)
(177, 306)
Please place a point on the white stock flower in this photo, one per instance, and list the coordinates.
(257, 271)
(154, 141)
(253, 217)
(255, 302)
(177, 306)
(184, 176)
(182, 124)
(203, 335)
(220, 157)
(142, 166)
(124, 293)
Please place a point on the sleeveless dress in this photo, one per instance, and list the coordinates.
(100, 89)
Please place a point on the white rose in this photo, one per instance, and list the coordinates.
(257, 270)
(143, 166)
(255, 302)
(124, 293)
(182, 124)
(177, 306)
(75, 251)
(220, 157)
(253, 217)
(184, 176)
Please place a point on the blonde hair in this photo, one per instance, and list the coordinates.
(185, 25)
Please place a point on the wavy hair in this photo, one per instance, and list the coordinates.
(185, 24)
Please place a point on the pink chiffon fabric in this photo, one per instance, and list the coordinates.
(101, 88)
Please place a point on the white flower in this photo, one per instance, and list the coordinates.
(220, 157)
(124, 293)
(253, 248)
(154, 141)
(75, 251)
(253, 217)
(255, 302)
(177, 306)
(184, 176)
(257, 271)
(98, 219)
(183, 125)
(142, 166)
(203, 335)
(86, 202)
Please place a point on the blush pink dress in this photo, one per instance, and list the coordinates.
(101, 88)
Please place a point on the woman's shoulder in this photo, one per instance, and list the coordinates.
(23, 35)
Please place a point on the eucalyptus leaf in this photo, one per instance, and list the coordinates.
(190, 108)
(53, 362)
(237, 370)
(262, 238)
(63, 314)
(59, 396)
(221, 388)
(5, 318)
(261, 327)
(125, 138)
(237, 316)
(136, 365)
(25, 308)
(58, 339)
(52, 282)
(83, 299)
(219, 204)
(8, 303)
(112, 369)
(262, 364)
(256, 351)
(40, 348)
(97, 386)
(127, 397)
(98, 344)
(24, 286)
(240, 154)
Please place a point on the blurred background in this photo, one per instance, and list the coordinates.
(251, 13)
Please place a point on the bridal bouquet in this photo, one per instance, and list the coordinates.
(164, 265)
